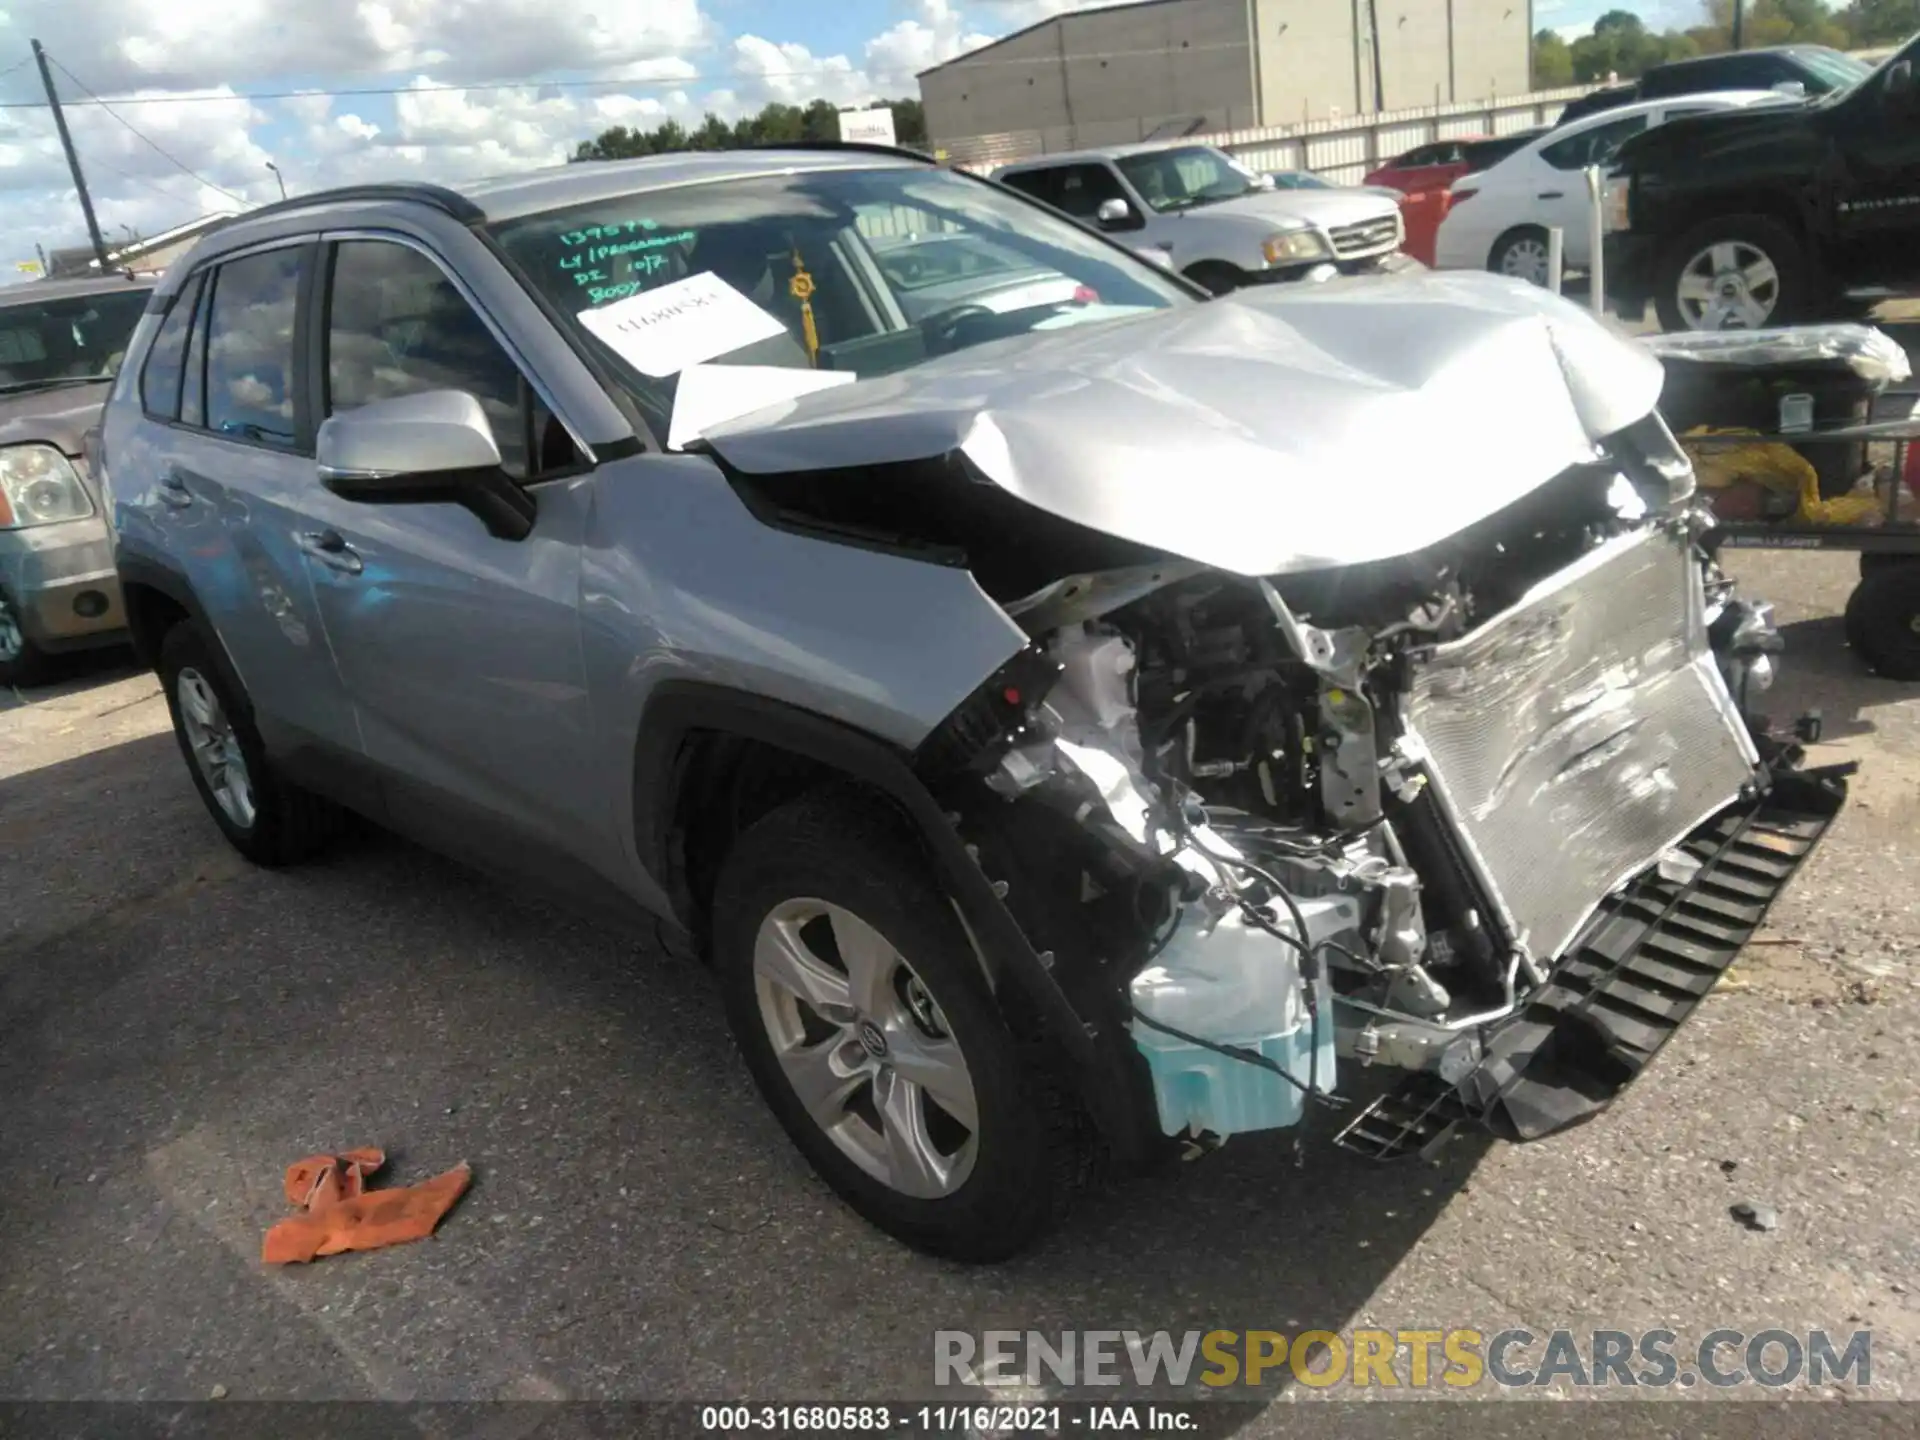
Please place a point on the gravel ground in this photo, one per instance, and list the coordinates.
(176, 1027)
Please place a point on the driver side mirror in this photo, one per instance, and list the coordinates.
(1897, 92)
(1116, 214)
(434, 448)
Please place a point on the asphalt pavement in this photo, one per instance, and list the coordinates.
(176, 1027)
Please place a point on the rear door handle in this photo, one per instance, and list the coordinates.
(330, 548)
(173, 490)
(1551, 195)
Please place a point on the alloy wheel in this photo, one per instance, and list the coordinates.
(1729, 285)
(215, 746)
(866, 1047)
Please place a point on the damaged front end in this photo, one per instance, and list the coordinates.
(1490, 813)
(1318, 758)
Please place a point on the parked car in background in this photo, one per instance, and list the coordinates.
(1308, 180)
(1774, 216)
(61, 342)
(1223, 225)
(1437, 165)
(1804, 70)
(1498, 219)
(1059, 745)
(935, 275)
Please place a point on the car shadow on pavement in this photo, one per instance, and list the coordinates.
(71, 674)
(184, 1026)
(1822, 673)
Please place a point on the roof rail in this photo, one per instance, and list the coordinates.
(438, 196)
(871, 146)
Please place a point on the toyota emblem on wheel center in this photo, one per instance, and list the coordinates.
(871, 1037)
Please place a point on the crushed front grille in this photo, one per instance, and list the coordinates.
(1367, 237)
(1574, 738)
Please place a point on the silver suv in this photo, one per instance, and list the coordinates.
(1064, 735)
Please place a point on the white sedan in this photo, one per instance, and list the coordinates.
(1498, 219)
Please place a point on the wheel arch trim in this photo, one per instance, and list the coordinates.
(679, 708)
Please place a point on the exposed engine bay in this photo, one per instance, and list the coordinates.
(1358, 816)
(1304, 763)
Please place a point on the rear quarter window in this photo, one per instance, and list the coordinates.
(166, 360)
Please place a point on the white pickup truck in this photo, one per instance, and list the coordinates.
(1223, 225)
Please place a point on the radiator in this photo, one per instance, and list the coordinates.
(1575, 737)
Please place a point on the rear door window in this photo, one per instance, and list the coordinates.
(1592, 146)
(1042, 185)
(250, 386)
(160, 377)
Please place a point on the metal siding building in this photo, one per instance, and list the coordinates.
(1171, 67)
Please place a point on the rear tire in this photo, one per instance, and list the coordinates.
(264, 816)
(1737, 272)
(1521, 253)
(1883, 621)
(1872, 562)
(830, 888)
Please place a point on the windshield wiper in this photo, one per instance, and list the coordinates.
(52, 383)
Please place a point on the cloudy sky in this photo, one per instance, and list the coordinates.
(219, 87)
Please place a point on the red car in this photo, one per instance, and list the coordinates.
(1437, 165)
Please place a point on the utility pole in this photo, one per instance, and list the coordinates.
(73, 159)
(1373, 24)
(1738, 17)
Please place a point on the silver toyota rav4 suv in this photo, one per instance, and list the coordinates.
(1068, 729)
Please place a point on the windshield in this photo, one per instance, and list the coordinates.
(1186, 176)
(801, 271)
(1838, 71)
(66, 340)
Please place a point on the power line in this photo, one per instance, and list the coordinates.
(150, 144)
(665, 82)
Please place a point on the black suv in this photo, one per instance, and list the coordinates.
(1815, 69)
(1774, 214)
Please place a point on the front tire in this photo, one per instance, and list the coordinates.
(21, 661)
(1737, 272)
(264, 816)
(863, 1014)
(1216, 277)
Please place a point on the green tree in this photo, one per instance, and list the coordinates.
(1880, 22)
(910, 121)
(775, 124)
(1552, 62)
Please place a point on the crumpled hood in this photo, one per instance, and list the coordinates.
(1275, 430)
(58, 417)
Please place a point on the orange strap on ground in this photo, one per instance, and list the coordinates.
(340, 1213)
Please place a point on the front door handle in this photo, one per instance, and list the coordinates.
(1551, 195)
(330, 548)
(173, 490)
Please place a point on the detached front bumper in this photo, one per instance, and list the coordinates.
(60, 583)
(1642, 963)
